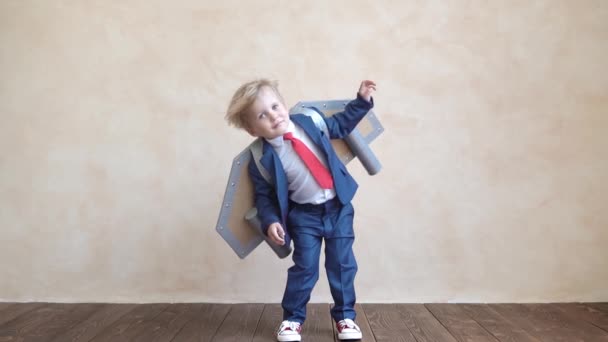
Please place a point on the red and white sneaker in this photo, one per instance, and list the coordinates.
(348, 330)
(289, 331)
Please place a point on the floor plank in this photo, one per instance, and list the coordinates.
(269, 322)
(363, 323)
(121, 330)
(547, 323)
(62, 321)
(204, 325)
(240, 323)
(387, 324)
(459, 324)
(318, 326)
(569, 329)
(166, 325)
(423, 325)
(13, 311)
(497, 325)
(585, 312)
(4, 305)
(520, 316)
(599, 306)
(24, 326)
(84, 331)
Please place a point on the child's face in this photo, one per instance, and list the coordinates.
(268, 118)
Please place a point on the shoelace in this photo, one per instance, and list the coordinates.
(293, 326)
(347, 323)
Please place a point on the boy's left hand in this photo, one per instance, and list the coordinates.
(366, 89)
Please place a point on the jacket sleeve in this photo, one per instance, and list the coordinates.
(341, 124)
(265, 198)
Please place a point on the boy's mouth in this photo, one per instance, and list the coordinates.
(277, 124)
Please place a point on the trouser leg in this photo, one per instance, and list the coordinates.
(302, 276)
(341, 268)
(340, 263)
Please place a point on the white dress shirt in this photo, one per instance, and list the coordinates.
(303, 188)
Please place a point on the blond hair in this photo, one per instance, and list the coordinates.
(244, 97)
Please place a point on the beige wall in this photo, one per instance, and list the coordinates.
(114, 154)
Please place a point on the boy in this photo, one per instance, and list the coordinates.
(308, 197)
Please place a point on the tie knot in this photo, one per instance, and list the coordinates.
(288, 136)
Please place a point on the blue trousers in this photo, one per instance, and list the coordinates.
(309, 225)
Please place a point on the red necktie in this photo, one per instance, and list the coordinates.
(317, 169)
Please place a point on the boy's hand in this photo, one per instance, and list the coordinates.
(276, 233)
(366, 89)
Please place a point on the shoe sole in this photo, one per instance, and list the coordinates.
(289, 338)
(350, 336)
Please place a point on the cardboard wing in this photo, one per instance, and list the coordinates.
(238, 223)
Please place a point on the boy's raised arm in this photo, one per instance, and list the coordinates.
(341, 124)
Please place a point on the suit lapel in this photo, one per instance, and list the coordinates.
(267, 159)
(314, 133)
(309, 127)
(271, 162)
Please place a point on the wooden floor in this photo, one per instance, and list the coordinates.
(257, 322)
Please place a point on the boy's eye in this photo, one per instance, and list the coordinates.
(274, 107)
(262, 115)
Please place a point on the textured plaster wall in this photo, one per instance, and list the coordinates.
(114, 154)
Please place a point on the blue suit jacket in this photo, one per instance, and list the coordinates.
(272, 200)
